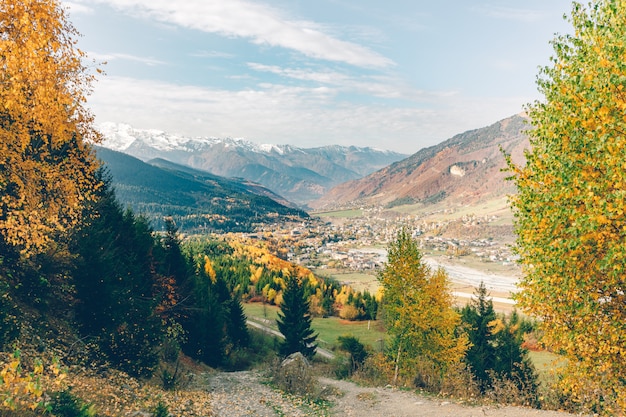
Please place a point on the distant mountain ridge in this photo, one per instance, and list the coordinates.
(298, 174)
(197, 200)
(464, 169)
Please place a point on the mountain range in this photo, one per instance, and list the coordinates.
(197, 200)
(464, 169)
(298, 174)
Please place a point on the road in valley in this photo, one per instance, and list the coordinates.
(465, 275)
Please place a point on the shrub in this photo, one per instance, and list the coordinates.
(459, 382)
(66, 404)
(350, 312)
(9, 322)
(161, 410)
(356, 349)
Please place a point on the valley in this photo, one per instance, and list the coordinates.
(350, 245)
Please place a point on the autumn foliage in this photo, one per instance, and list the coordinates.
(46, 166)
(417, 305)
(571, 204)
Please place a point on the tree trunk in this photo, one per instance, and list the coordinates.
(395, 374)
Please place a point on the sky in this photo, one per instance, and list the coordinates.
(398, 75)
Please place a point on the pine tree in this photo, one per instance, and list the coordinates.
(511, 359)
(115, 285)
(236, 327)
(294, 320)
(479, 316)
(206, 317)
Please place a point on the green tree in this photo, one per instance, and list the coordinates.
(236, 327)
(115, 285)
(356, 349)
(294, 320)
(511, 360)
(479, 316)
(46, 166)
(205, 318)
(418, 311)
(570, 206)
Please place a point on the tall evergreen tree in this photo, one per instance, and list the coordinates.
(511, 359)
(479, 316)
(236, 328)
(294, 320)
(114, 280)
(205, 318)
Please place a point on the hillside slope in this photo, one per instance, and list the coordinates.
(197, 200)
(464, 169)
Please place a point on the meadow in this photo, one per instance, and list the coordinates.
(370, 333)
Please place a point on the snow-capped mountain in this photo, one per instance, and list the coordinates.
(298, 174)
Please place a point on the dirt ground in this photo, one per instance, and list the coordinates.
(247, 394)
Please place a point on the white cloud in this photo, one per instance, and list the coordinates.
(212, 54)
(125, 57)
(307, 117)
(259, 23)
(376, 86)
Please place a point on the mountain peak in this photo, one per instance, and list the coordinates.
(298, 174)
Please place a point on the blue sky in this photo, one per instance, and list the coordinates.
(394, 74)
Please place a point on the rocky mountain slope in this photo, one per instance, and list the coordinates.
(465, 169)
(298, 174)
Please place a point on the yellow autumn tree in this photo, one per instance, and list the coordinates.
(417, 305)
(571, 207)
(46, 166)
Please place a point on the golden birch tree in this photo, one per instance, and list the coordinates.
(417, 305)
(571, 204)
(46, 167)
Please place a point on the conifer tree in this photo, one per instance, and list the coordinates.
(115, 285)
(236, 327)
(512, 362)
(294, 319)
(479, 316)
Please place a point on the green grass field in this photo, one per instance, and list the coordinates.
(359, 281)
(328, 329)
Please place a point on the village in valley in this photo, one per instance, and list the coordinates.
(472, 248)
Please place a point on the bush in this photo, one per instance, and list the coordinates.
(161, 410)
(66, 404)
(459, 382)
(357, 351)
(350, 312)
(9, 313)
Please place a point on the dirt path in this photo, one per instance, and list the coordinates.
(247, 394)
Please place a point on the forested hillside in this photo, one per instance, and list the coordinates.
(197, 201)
